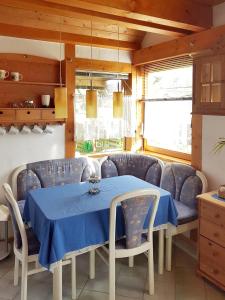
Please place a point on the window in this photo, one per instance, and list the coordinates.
(168, 110)
(104, 133)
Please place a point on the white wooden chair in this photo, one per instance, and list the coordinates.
(187, 213)
(26, 248)
(135, 206)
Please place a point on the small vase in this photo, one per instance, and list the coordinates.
(221, 191)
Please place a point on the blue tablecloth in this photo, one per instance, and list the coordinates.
(66, 218)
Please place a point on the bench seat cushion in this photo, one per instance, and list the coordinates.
(185, 213)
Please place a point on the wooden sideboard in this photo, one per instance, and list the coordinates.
(212, 239)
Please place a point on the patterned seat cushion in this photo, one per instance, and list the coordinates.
(121, 244)
(144, 167)
(21, 204)
(185, 213)
(33, 243)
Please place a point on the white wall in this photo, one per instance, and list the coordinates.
(21, 149)
(213, 164)
(219, 15)
(103, 54)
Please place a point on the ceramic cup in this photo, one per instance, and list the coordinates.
(37, 129)
(4, 74)
(13, 130)
(2, 130)
(45, 100)
(25, 130)
(48, 129)
(16, 76)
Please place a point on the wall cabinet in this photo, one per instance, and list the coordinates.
(212, 239)
(209, 85)
(40, 76)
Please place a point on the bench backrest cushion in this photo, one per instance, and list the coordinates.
(144, 167)
(51, 173)
(182, 182)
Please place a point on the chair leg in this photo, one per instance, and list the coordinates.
(92, 265)
(131, 261)
(168, 253)
(151, 281)
(112, 279)
(16, 271)
(161, 252)
(73, 277)
(24, 280)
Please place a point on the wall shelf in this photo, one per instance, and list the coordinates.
(30, 83)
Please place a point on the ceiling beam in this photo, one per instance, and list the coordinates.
(212, 39)
(64, 10)
(67, 38)
(184, 14)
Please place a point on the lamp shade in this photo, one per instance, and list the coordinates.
(61, 103)
(117, 105)
(91, 104)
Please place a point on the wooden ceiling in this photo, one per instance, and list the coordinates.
(210, 2)
(117, 23)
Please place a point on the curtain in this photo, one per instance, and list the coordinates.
(104, 126)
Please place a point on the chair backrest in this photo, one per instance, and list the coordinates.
(20, 237)
(145, 167)
(183, 182)
(135, 206)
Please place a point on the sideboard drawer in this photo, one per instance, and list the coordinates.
(213, 213)
(7, 115)
(211, 251)
(28, 115)
(214, 271)
(48, 114)
(212, 231)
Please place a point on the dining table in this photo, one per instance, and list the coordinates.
(67, 219)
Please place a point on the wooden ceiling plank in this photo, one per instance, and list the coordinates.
(211, 39)
(68, 38)
(81, 13)
(181, 14)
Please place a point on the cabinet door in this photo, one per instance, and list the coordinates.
(209, 94)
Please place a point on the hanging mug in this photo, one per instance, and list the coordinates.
(4, 74)
(16, 76)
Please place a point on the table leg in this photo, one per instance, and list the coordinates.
(57, 282)
(161, 252)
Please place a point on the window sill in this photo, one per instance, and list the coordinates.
(166, 158)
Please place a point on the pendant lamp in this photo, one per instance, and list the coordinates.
(60, 97)
(118, 104)
(118, 96)
(91, 95)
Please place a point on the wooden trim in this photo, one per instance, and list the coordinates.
(175, 154)
(28, 58)
(180, 14)
(196, 158)
(67, 38)
(70, 84)
(212, 39)
(79, 13)
(101, 65)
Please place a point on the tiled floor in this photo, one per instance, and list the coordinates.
(180, 284)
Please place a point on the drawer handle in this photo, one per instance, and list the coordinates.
(28, 112)
(1, 112)
(53, 112)
(216, 234)
(217, 216)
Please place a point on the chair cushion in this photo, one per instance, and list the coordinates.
(185, 213)
(121, 244)
(21, 204)
(144, 167)
(33, 243)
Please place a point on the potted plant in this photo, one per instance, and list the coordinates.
(218, 147)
